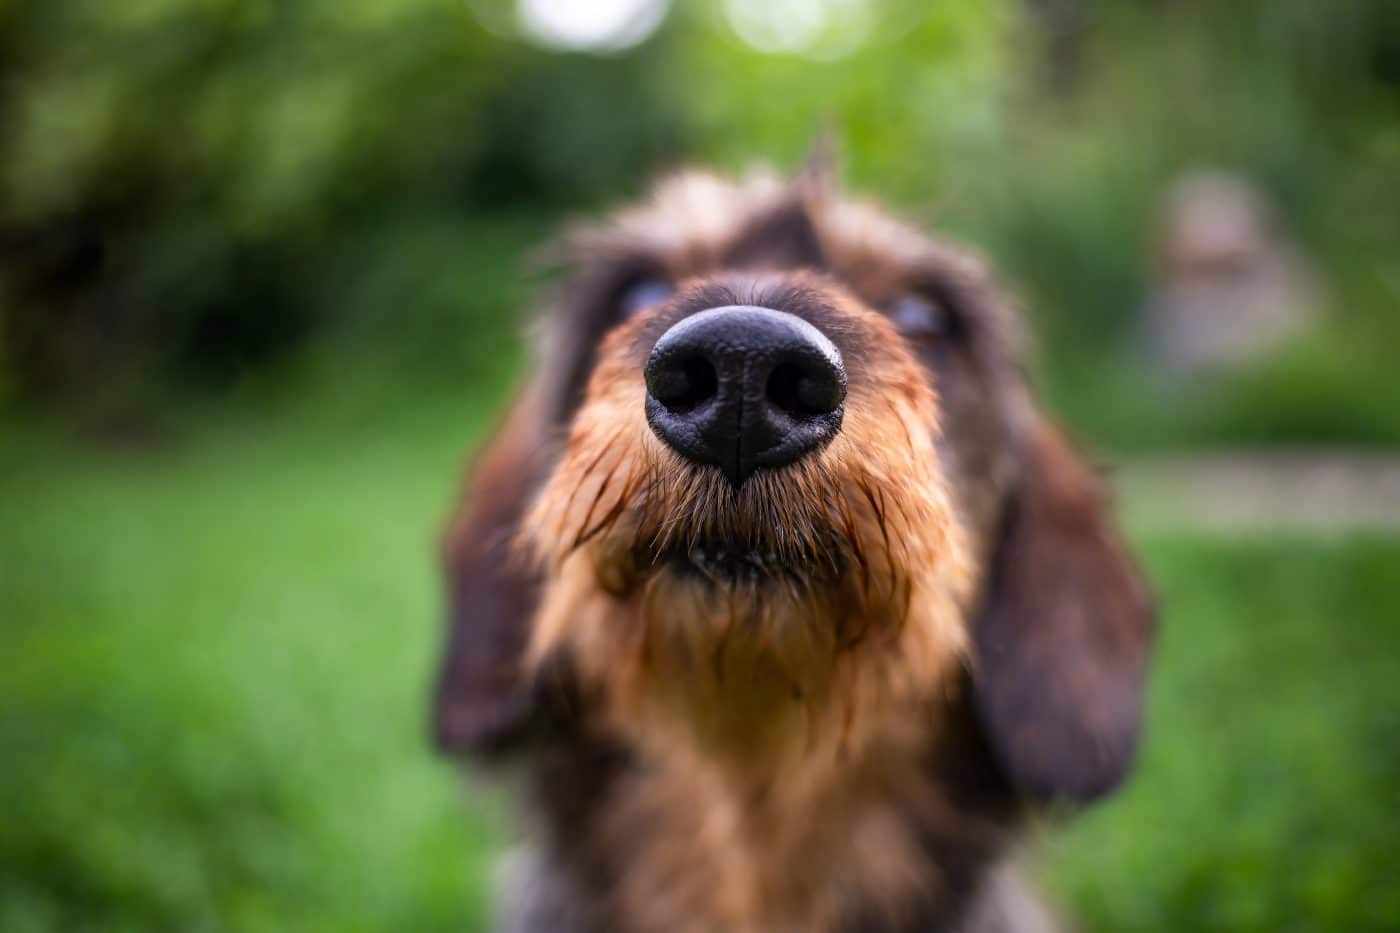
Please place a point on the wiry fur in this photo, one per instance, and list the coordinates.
(866, 521)
(846, 736)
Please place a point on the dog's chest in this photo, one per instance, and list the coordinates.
(700, 854)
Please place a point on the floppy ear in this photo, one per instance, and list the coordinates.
(1063, 635)
(484, 702)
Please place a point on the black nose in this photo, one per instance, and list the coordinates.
(744, 387)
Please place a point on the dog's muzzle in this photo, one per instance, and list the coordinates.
(744, 388)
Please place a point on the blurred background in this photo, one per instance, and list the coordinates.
(263, 274)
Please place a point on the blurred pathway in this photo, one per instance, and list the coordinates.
(1327, 491)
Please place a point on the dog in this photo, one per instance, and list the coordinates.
(784, 601)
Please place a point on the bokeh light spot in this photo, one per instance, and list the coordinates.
(591, 25)
(817, 28)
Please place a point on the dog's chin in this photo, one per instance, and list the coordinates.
(752, 563)
(722, 563)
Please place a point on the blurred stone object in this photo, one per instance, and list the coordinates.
(1227, 285)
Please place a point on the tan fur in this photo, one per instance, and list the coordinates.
(776, 716)
(686, 221)
(713, 853)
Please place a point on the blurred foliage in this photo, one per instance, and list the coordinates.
(194, 191)
(1301, 98)
(192, 188)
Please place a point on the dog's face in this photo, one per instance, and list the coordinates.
(778, 469)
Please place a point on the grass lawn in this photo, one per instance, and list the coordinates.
(213, 668)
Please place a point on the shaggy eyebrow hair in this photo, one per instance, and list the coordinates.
(767, 227)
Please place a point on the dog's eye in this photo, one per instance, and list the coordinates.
(644, 293)
(921, 316)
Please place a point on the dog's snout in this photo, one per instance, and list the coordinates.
(743, 388)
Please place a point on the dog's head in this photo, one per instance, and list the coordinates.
(778, 471)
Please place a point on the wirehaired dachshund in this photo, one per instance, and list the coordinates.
(782, 596)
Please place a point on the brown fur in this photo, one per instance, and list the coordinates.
(943, 624)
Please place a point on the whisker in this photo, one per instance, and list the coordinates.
(588, 516)
(588, 471)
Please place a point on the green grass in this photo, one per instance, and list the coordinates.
(212, 711)
(214, 660)
(1268, 793)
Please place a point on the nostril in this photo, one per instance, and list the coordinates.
(783, 389)
(822, 392)
(685, 384)
(803, 391)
